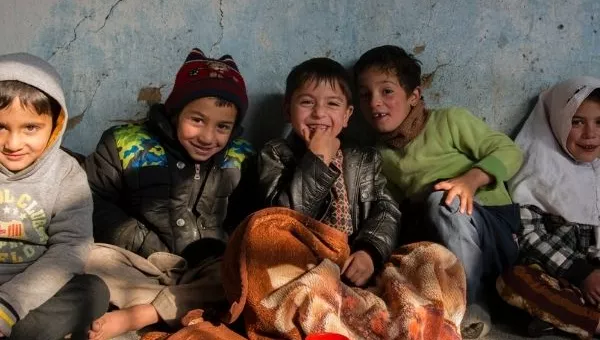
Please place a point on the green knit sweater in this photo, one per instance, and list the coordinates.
(452, 142)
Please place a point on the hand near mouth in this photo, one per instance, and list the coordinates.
(322, 143)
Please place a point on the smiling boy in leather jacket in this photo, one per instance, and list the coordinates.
(311, 173)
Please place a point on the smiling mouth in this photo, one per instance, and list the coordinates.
(13, 155)
(377, 116)
(315, 127)
(202, 149)
(588, 147)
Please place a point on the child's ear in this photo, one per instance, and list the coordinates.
(348, 114)
(415, 96)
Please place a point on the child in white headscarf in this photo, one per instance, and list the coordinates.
(559, 193)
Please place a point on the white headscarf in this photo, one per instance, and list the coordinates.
(550, 178)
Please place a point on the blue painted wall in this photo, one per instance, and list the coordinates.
(492, 56)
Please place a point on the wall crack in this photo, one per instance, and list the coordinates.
(74, 121)
(221, 25)
(110, 12)
(68, 45)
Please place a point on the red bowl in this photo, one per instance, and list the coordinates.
(326, 336)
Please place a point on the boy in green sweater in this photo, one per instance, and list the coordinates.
(446, 165)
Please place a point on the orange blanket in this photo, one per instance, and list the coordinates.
(282, 272)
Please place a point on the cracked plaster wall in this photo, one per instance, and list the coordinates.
(116, 57)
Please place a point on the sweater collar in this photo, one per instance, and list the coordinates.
(410, 128)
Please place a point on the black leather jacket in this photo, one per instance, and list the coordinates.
(293, 177)
(150, 196)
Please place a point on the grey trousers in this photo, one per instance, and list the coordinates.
(163, 280)
(70, 311)
(483, 241)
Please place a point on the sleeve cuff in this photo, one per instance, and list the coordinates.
(370, 249)
(327, 174)
(8, 318)
(494, 167)
(579, 270)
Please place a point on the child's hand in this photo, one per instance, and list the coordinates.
(464, 187)
(322, 143)
(359, 268)
(590, 287)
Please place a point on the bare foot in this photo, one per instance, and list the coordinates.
(121, 321)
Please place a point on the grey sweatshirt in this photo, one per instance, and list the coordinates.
(45, 210)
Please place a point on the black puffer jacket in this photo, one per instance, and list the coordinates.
(293, 177)
(150, 196)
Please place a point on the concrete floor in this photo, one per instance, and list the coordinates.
(128, 336)
(504, 332)
(499, 332)
(509, 324)
(495, 334)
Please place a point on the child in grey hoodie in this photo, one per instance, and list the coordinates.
(45, 211)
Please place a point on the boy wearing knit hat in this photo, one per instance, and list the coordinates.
(164, 199)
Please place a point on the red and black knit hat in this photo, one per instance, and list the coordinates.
(200, 76)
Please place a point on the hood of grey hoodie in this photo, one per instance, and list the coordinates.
(36, 72)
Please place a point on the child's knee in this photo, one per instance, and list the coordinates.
(97, 285)
(437, 207)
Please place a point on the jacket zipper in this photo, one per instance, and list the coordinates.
(329, 204)
(194, 194)
(197, 175)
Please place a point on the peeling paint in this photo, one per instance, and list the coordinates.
(74, 121)
(419, 49)
(150, 95)
(427, 79)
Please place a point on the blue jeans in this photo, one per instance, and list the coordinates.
(483, 241)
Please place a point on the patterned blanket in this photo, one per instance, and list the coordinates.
(282, 273)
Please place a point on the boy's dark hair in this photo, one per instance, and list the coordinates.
(594, 96)
(318, 70)
(30, 96)
(220, 102)
(392, 59)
